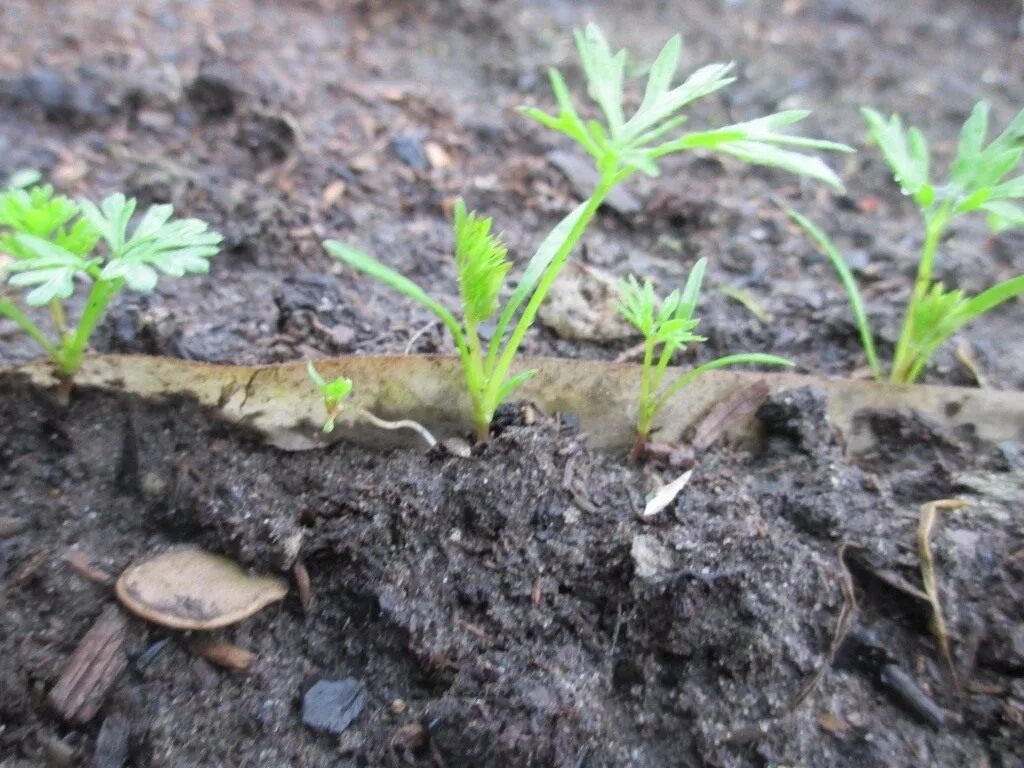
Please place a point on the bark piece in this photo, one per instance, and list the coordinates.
(92, 669)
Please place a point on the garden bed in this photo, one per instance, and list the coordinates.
(512, 607)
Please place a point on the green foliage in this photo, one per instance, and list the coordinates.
(667, 327)
(481, 267)
(480, 261)
(619, 146)
(977, 182)
(52, 243)
(334, 393)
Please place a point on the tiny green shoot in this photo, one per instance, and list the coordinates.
(667, 326)
(619, 147)
(335, 393)
(977, 182)
(50, 242)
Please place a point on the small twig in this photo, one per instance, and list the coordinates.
(412, 339)
(633, 353)
(843, 622)
(929, 514)
(415, 426)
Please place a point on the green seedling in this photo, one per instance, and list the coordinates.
(50, 242)
(667, 327)
(335, 394)
(619, 147)
(977, 182)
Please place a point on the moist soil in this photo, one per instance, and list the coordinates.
(510, 608)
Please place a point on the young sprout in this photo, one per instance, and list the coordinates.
(51, 244)
(336, 391)
(667, 327)
(977, 181)
(618, 147)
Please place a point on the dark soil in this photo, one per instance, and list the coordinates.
(510, 608)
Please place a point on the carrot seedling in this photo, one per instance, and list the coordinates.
(336, 392)
(51, 243)
(618, 147)
(668, 327)
(977, 182)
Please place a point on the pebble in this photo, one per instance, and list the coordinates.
(332, 705)
(407, 148)
(584, 177)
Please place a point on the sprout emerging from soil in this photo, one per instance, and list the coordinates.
(667, 326)
(619, 147)
(977, 182)
(50, 242)
(336, 392)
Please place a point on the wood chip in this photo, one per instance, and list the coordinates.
(303, 585)
(332, 193)
(833, 724)
(82, 564)
(11, 527)
(189, 588)
(437, 155)
(92, 669)
(222, 653)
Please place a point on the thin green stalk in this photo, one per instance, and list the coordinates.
(69, 357)
(846, 278)
(476, 379)
(60, 322)
(935, 226)
(721, 362)
(9, 310)
(497, 376)
(646, 411)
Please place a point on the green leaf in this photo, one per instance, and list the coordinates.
(481, 264)
(969, 147)
(605, 73)
(764, 129)
(659, 79)
(751, 358)
(906, 154)
(38, 212)
(1009, 189)
(988, 300)
(842, 269)
(24, 177)
(703, 82)
(769, 155)
(994, 165)
(536, 268)
(110, 219)
(637, 304)
(333, 391)
(691, 290)
(365, 263)
(1003, 215)
(1013, 136)
(513, 383)
(945, 313)
(47, 266)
